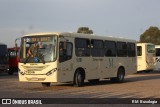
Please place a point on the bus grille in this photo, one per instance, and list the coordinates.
(35, 68)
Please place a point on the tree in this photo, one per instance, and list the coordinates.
(151, 35)
(84, 30)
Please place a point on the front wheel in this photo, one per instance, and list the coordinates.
(78, 79)
(46, 84)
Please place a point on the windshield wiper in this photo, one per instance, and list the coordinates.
(26, 60)
(41, 58)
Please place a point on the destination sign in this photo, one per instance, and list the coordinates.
(39, 39)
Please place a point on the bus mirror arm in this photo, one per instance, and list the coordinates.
(16, 46)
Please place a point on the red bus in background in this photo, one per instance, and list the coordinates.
(13, 60)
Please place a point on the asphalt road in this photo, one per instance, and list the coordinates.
(141, 85)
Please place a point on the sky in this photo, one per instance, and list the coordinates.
(118, 18)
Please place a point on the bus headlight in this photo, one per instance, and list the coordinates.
(22, 73)
(51, 71)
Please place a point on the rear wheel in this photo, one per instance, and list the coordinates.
(79, 79)
(46, 84)
(120, 76)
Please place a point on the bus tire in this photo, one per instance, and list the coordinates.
(78, 79)
(120, 76)
(46, 84)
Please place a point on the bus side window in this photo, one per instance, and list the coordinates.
(131, 50)
(110, 48)
(97, 49)
(82, 47)
(65, 54)
(139, 51)
(121, 49)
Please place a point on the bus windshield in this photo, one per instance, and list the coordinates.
(38, 49)
(150, 48)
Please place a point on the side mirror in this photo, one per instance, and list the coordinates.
(16, 45)
(64, 45)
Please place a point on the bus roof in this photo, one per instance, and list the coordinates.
(145, 44)
(43, 34)
(80, 35)
(92, 36)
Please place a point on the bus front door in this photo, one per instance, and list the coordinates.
(65, 61)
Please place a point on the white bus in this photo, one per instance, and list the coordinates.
(75, 57)
(145, 57)
(157, 47)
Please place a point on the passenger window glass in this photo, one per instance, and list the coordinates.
(110, 48)
(131, 50)
(82, 47)
(150, 48)
(139, 51)
(121, 49)
(65, 52)
(97, 48)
